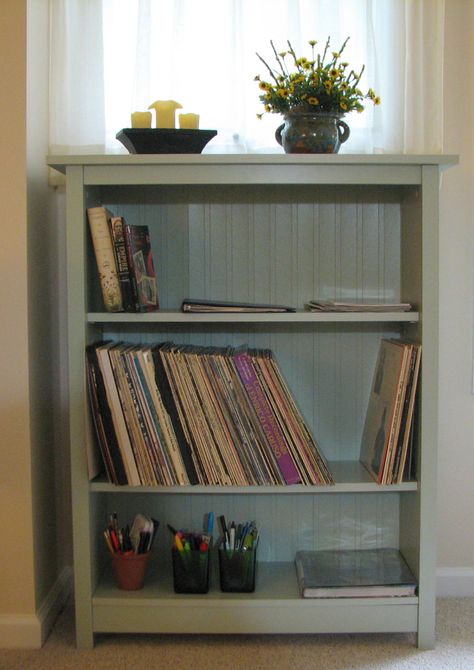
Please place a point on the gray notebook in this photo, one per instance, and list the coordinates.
(353, 574)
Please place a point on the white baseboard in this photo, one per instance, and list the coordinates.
(29, 631)
(455, 582)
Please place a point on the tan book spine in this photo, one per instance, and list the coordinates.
(105, 258)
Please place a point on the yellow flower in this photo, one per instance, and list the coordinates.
(320, 81)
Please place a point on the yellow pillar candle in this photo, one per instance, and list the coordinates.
(165, 111)
(189, 120)
(141, 119)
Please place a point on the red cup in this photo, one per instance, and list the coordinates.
(130, 570)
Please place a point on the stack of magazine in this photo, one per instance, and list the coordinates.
(352, 306)
(176, 415)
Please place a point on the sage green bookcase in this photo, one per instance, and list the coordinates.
(282, 229)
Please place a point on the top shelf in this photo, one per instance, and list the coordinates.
(60, 162)
(134, 169)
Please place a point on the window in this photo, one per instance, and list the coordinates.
(113, 57)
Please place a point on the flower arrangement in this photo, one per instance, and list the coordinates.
(321, 84)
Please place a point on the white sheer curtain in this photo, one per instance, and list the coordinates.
(112, 57)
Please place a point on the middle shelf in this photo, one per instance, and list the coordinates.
(349, 476)
(172, 317)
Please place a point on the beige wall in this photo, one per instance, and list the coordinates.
(33, 576)
(456, 459)
(17, 575)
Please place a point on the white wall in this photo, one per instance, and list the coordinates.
(456, 458)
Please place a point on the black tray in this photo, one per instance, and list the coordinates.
(165, 140)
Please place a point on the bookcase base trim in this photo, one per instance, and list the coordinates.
(273, 616)
(274, 607)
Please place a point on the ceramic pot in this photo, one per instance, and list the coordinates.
(312, 133)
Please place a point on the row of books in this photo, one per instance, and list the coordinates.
(124, 262)
(389, 425)
(177, 415)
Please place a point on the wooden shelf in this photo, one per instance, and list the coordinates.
(274, 607)
(174, 317)
(350, 477)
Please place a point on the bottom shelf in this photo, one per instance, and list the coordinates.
(274, 607)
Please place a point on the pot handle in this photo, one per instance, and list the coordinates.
(343, 131)
(278, 132)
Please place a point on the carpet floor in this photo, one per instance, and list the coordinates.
(454, 649)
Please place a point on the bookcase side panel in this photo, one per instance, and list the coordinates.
(76, 245)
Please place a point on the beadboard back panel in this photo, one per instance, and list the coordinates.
(263, 245)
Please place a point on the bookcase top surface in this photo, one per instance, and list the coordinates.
(60, 162)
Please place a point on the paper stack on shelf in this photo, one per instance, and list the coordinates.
(365, 306)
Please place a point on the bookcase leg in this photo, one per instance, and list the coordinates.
(84, 638)
(426, 638)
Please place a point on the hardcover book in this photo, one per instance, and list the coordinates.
(99, 220)
(359, 573)
(142, 270)
(123, 269)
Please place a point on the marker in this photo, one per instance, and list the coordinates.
(210, 523)
(179, 544)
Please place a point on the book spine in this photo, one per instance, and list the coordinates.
(142, 271)
(264, 412)
(102, 421)
(123, 269)
(164, 388)
(105, 258)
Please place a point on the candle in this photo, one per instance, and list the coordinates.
(165, 111)
(141, 119)
(189, 120)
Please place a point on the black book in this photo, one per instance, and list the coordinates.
(102, 420)
(123, 270)
(219, 306)
(164, 388)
